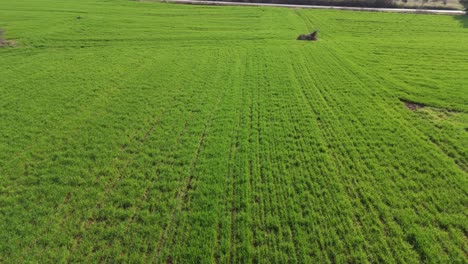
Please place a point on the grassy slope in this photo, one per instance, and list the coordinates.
(166, 132)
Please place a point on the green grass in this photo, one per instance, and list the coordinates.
(196, 134)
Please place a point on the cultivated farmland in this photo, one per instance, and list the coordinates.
(134, 131)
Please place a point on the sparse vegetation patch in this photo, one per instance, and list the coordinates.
(4, 42)
(412, 105)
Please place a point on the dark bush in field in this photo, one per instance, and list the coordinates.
(312, 36)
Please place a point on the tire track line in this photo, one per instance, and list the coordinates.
(113, 182)
(183, 193)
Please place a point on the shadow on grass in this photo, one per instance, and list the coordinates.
(463, 20)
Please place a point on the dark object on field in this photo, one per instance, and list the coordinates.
(312, 36)
(78, 17)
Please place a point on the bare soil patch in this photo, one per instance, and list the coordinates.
(413, 106)
(4, 42)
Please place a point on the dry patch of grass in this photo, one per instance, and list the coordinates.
(4, 42)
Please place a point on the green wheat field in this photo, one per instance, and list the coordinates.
(150, 132)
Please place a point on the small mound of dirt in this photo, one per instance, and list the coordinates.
(413, 106)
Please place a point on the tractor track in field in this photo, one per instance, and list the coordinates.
(111, 184)
(327, 133)
(363, 200)
(409, 104)
(232, 155)
(183, 193)
(147, 191)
